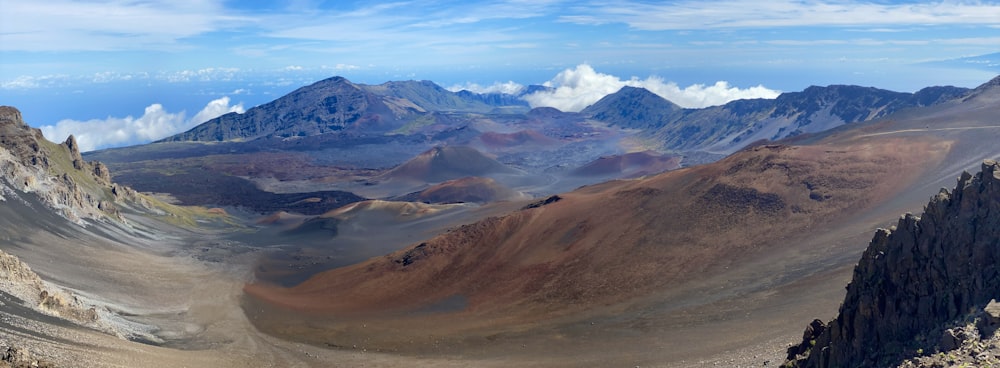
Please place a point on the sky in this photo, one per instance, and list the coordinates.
(130, 71)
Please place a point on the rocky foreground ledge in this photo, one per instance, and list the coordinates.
(921, 293)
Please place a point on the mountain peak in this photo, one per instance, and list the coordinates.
(10, 116)
(632, 107)
(986, 93)
(335, 79)
(991, 85)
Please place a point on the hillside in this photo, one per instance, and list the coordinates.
(629, 165)
(464, 190)
(667, 265)
(446, 163)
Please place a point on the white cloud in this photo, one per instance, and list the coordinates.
(575, 89)
(62, 25)
(29, 82)
(202, 75)
(340, 67)
(155, 123)
(734, 14)
(509, 87)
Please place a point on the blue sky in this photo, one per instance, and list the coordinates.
(101, 65)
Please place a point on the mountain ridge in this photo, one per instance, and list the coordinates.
(731, 126)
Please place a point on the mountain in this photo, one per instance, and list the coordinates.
(711, 265)
(326, 106)
(986, 93)
(915, 281)
(334, 105)
(727, 128)
(629, 165)
(464, 190)
(714, 257)
(813, 110)
(430, 97)
(328, 139)
(634, 108)
(446, 163)
(502, 101)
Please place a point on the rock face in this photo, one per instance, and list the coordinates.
(915, 281)
(56, 173)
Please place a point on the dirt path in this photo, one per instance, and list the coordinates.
(929, 130)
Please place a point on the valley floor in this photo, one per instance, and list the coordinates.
(189, 286)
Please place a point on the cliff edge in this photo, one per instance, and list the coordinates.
(922, 289)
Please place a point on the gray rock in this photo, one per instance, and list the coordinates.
(911, 281)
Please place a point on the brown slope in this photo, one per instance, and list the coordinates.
(612, 242)
(465, 190)
(627, 165)
(709, 259)
(446, 163)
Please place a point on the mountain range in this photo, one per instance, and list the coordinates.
(338, 136)
(296, 245)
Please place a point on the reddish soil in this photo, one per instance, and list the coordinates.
(598, 247)
(446, 163)
(630, 165)
(470, 189)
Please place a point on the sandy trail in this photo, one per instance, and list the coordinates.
(929, 130)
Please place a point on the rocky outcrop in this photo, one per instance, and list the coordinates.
(17, 279)
(57, 173)
(19, 357)
(918, 283)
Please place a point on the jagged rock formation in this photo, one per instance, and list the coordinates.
(916, 280)
(57, 173)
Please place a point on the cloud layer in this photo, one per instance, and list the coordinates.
(509, 87)
(742, 14)
(155, 123)
(575, 89)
